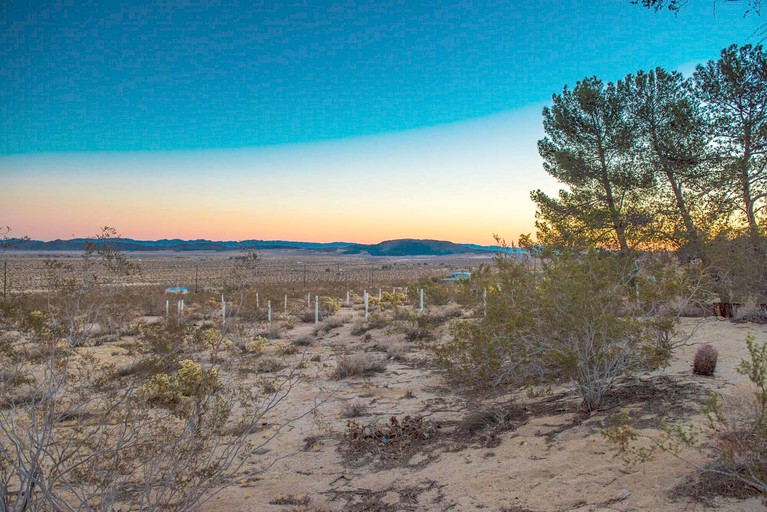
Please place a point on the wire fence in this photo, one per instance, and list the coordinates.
(197, 274)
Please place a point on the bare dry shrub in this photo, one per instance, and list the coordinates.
(328, 325)
(358, 365)
(274, 331)
(396, 437)
(398, 351)
(354, 410)
(303, 341)
(269, 365)
(376, 320)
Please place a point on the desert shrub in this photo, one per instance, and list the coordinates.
(376, 320)
(143, 367)
(307, 317)
(328, 325)
(35, 321)
(742, 434)
(434, 293)
(391, 300)
(358, 365)
(417, 328)
(274, 331)
(574, 320)
(299, 500)
(256, 345)
(397, 436)
(329, 306)
(166, 340)
(303, 341)
(397, 351)
(102, 449)
(207, 338)
(288, 350)
(190, 382)
(354, 410)
(705, 361)
(738, 268)
(442, 315)
(737, 427)
(269, 365)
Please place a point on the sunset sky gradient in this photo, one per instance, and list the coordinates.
(317, 121)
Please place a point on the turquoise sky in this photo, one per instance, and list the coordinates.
(182, 74)
(354, 120)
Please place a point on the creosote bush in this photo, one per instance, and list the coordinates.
(576, 319)
(705, 361)
(190, 382)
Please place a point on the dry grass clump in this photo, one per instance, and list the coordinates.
(398, 351)
(374, 321)
(269, 365)
(303, 341)
(274, 331)
(358, 365)
(288, 350)
(328, 325)
(354, 410)
(705, 361)
(143, 368)
(442, 315)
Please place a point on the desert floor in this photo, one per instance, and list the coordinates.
(499, 452)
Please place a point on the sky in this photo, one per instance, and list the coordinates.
(356, 121)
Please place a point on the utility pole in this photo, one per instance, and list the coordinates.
(5, 279)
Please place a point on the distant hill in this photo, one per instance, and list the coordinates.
(411, 247)
(402, 247)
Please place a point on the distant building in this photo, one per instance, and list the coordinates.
(177, 289)
(458, 276)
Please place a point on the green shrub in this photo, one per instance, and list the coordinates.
(434, 293)
(574, 320)
(189, 383)
(329, 306)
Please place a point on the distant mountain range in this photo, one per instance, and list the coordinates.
(401, 247)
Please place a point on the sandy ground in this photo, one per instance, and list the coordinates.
(547, 458)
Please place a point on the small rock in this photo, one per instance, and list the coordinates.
(623, 494)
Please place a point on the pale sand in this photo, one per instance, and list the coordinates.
(571, 470)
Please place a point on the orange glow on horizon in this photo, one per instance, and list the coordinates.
(461, 183)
